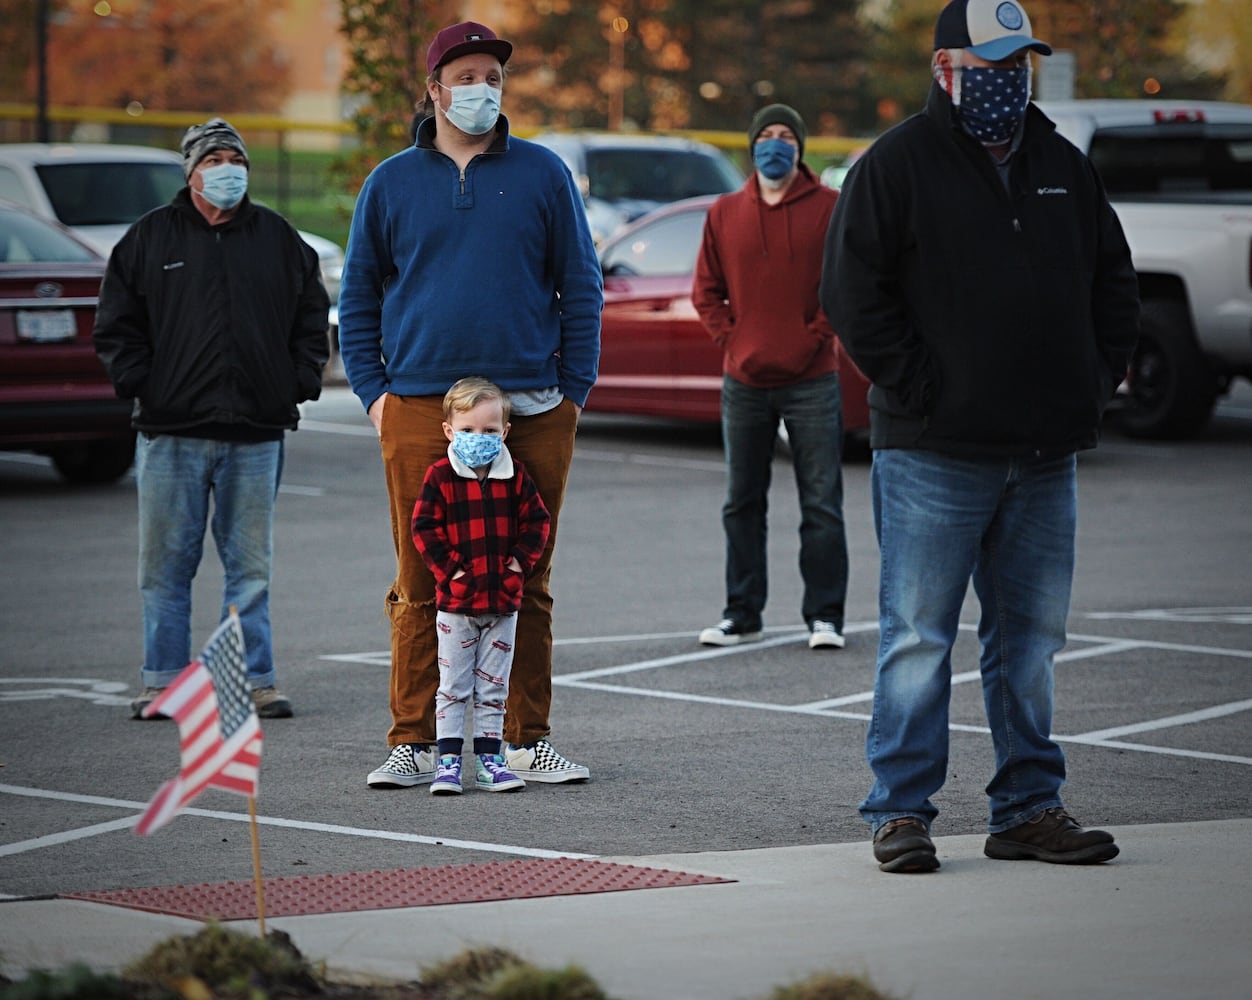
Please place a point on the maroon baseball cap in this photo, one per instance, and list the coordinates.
(462, 39)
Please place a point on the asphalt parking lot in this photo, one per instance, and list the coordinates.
(691, 749)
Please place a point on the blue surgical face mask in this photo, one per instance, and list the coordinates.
(476, 450)
(992, 101)
(475, 107)
(224, 185)
(774, 158)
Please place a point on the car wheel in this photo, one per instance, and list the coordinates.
(1172, 387)
(95, 461)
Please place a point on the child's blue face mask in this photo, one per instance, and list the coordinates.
(476, 450)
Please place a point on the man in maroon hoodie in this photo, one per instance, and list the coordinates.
(755, 289)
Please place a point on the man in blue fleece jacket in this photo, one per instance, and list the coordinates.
(469, 254)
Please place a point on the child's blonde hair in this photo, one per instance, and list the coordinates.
(469, 392)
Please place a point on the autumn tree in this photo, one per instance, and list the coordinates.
(17, 42)
(688, 63)
(386, 75)
(1217, 36)
(809, 54)
(1121, 48)
(216, 55)
(1118, 45)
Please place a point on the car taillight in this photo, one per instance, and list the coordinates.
(1181, 117)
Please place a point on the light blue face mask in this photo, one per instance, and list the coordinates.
(476, 450)
(475, 107)
(774, 158)
(224, 185)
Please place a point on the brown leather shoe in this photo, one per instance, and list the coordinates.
(270, 704)
(1053, 836)
(903, 846)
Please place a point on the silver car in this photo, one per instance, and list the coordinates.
(97, 190)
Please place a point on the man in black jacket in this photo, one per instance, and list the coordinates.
(213, 318)
(979, 277)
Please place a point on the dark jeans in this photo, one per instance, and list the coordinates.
(811, 413)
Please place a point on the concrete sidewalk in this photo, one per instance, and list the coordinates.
(1170, 918)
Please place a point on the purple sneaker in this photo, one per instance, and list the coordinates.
(493, 776)
(447, 776)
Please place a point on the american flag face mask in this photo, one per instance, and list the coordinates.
(992, 101)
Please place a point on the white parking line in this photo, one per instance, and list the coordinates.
(1170, 722)
(661, 461)
(65, 836)
(351, 831)
(326, 427)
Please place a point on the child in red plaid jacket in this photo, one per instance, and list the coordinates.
(480, 526)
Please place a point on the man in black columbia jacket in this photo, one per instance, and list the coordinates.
(213, 318)
(977, 274)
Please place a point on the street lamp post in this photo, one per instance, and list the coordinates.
(43, 132)
(617, 71)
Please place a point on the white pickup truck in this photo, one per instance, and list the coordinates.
(1179, 175)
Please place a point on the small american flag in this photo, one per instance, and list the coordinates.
(217, 725)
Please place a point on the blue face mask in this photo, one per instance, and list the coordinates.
(993, 102)
(774, 158)
(475, 107)
(476, 450)
(224, 185)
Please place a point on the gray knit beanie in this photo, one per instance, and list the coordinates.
(200, 140)
(777, 114)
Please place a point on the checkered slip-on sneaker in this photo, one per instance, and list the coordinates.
(406, 766)
(540, 762)
(447, 776)
(493, 776)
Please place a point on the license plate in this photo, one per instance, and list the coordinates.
(46, 326)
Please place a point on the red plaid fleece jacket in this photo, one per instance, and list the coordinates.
(460, 522)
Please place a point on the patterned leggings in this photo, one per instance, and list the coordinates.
(475, 656)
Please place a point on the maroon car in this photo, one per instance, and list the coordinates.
(656, 358)
(55, 398)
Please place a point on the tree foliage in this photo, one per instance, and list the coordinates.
(216, 55)
(1118, 45)
(386, 75)
(17, 42)
(688, 63)
(1121, 48)
(1218, 36)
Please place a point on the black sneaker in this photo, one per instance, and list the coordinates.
(729, 632)
(903, 846)
(1053, 836)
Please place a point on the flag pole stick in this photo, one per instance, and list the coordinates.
(256, 865)
(256, 848)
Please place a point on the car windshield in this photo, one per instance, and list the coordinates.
(1188, 161)
(108, 193)
(24, 239)
(656, 175)
(663, 248)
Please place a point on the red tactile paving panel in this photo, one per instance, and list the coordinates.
(403, 887)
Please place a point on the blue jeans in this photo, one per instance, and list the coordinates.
(176, 477)
(813, 417)
(1010, 525)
